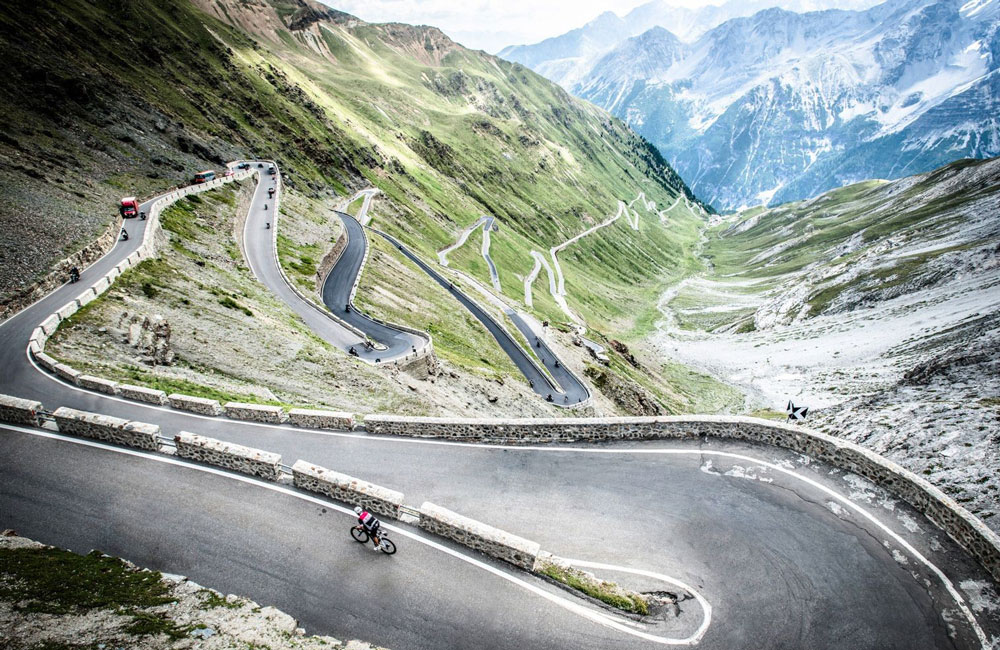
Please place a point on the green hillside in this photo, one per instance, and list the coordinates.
(852, 247)
(113, 98)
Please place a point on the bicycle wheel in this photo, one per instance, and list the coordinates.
(387, 546)
(359, 534)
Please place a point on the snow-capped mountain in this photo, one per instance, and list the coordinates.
(567, 58)
(781, 105)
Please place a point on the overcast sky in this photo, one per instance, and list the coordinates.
(492, 24)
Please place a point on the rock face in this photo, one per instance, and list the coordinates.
(630, 396)
(149, 336)
(781, 106)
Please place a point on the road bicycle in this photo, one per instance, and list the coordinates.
(384, 543)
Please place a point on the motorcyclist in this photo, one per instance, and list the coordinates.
(142, 216)
(371, 525)
(74, 274)
(124, 235)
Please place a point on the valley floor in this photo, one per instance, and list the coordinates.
(915, 378)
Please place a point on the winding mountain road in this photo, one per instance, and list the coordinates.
(349, 329)
(788, 552)
(566, 390)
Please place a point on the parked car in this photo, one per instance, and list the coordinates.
(243, 165)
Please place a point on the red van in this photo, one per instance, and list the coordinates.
(205, 176)
(129, 207)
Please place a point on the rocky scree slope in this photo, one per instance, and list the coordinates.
(877, 305)
(781, 106)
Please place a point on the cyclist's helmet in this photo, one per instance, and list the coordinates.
(357, 510)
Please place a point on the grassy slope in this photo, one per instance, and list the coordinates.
(461, 134)
(819, 244)
(200, 283)
(446, 133)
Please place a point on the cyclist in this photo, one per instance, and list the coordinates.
(371, 525)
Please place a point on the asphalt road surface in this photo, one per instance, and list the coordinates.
(258, 242)
(337, 290)
(788, 553)
(567, 389)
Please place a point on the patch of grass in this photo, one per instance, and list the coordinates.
(355, 206)
(229, 303)
(55, 581)
(148, 624)
(769, 414)
(606, 592)
(211, 599)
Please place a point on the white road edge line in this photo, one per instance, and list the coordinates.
(572, 607)
(706, 608)
(850, 504)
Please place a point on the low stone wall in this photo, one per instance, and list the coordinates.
(67, 310)
(238, 458)
(377, 499)
(100, 385)
(107, 428)
(968, 531)
(142, 394)
(50, 325)
(198, 405)
(46, 361)
(479, 536)
(66, 372)
(311, 419)
(254, 412)
(15, 410)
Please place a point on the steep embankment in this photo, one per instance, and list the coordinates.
(148, 93)
(878, 304)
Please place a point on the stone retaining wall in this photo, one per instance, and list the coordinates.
(479, 536)
(254, 412)
(377, 499)
(107, 428)
(142, 394)
(198, 405)
(238, 458)
(311, 419)
(15, 410)
(968, 531)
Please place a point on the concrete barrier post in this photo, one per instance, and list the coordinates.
(312, 419)
(107, 428)
(238, 458)
(15, 410)
(198, 405)
(377, 499)
(479, 536)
